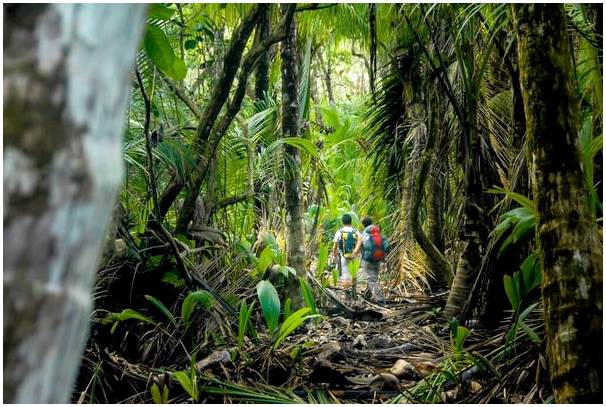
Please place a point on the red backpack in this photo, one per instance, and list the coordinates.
(374, 245)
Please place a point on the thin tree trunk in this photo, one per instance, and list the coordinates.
(372, 22)
(295, 232)
(327, 80)
(66, 70)
(570, 249)
(262, 71)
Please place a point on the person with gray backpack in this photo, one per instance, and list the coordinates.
(344, 243)
(373, 247)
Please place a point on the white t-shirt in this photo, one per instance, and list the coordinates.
(345, 229)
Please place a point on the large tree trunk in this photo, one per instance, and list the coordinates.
(295, 241)
(471, 235)
(439, 265)
(435, 223)
(66, 71)
(570, 249)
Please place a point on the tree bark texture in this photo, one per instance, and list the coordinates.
(570, 249)
(440, 267)
(66, 71)
(262, 70)
(295, 242)
(435, 223)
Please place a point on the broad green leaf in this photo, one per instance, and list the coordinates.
(160, 12)
(178, 70)
(243, 321)
(530, 332)
(287, 310)
(524, 314)
(270, 304)
(295, 320)
(502, 228)
(158, 48)
(158, 304)
(308, 295)
(511, 291)
(164, 394)
(173, 278)
(266, 259)
(194, 298)
(531, 271)
(518, 213)
(462, 333)
(519, 198)
(593, 147)
(322, 258)
(524, 228)
(185, 381)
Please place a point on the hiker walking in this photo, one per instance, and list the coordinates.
(344, 243)
(373, 247)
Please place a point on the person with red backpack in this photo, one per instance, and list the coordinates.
(344, 243)
(373, 247)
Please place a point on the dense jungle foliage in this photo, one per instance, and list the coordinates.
(411, 114)
(471, 134)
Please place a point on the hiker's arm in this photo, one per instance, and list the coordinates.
(358, 247)
(335, 250)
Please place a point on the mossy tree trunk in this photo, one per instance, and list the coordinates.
(67, 73)
(437, 262)
(435, 223)
(295, 233)
(570, 249)
(261, 88)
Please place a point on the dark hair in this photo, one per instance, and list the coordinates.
(366, 221)
(346, 219)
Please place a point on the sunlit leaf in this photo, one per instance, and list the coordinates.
(270, 303)
(160, 12)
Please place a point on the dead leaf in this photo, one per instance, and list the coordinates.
(385, 380)
(359, 342)
(220, 356)
(402, 368)
(475, 387)
(425, 368)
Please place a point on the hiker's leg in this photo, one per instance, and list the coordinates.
(373, 283)
(345, 269)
